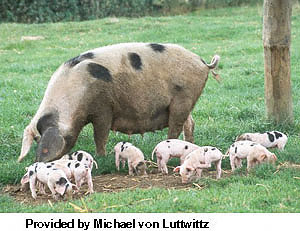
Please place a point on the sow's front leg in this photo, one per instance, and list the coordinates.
(102, 126)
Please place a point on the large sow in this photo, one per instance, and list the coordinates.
(129, 87)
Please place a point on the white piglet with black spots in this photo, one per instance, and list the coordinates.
(81, 173)
(134, 156)
(171, 148)
(254, 153)
(199, 159)
(83, 157)
(271, 139)
(54, 178)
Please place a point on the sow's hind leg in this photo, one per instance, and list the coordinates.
(188, 129)
(179, 113)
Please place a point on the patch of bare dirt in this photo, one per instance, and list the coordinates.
(110, 183)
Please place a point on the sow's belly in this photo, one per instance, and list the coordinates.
(133, 124)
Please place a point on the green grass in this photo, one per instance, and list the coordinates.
(222, 112)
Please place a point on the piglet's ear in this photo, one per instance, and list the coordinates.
(176, 169)
(60, 189)
(262, 157)
(74, 187)
(274, 157)
(25, 179)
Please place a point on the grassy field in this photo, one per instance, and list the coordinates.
(223, 111)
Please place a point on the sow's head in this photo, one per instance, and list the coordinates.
(52, 143)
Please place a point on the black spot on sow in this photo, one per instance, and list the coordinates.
(74, 61)
(98, 71)
(157, 47)
(135, 61)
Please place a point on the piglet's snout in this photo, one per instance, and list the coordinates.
(274, 158)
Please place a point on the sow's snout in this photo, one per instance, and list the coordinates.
(50, 146)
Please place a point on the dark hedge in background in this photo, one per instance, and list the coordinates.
(39, 11)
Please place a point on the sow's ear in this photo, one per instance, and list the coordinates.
(28, 137)
(50, 145)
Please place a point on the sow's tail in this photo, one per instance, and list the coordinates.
(213, 64)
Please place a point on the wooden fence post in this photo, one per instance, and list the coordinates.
(276, 41)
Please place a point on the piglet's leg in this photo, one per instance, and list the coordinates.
(78, 180)
(250, 164)
(117, 161)
(32, 183)
(158, 161)
(123, 162)
(52, 189)
(130, 168)
(232, 162)
(163, 165)
(238, 162)
(199, 172)
(41, 188)
(219, 169)
(90, 181)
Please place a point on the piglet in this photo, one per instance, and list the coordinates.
(170, 148)
(76, 170)
(135, 157)
(83, 157)
(268, 139)
(254, 153)
(200, 158)
(54, 178)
